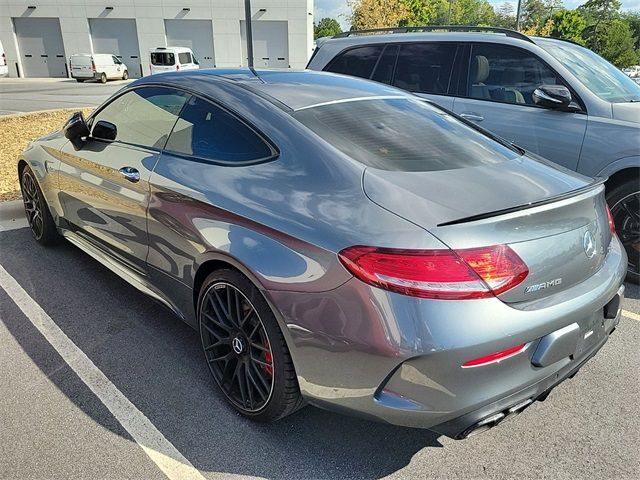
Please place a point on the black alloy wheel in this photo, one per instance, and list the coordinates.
(41, 222)
(626, 216)
(244, 348)
(32, 204)
(236, 347)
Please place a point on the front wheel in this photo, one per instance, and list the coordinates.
(125, 75)
(41, 223)
(245, 349)
(103, 78)
(624, 201)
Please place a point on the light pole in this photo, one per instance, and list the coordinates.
(518, 15)
(249, 32)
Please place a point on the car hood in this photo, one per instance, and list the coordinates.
(435, 198)
(629, 112)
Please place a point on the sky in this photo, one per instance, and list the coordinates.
(339, 9)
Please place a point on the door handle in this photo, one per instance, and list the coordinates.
(474, 117)
(130, 174)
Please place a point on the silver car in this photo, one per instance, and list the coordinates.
(549, 96)
(338, 242)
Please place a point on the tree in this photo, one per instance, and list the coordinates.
(616, 43)
(633, 19)
(598, 12)
(326, 27)
(568, 24)
(505, 16)
(536, 13)
(378, 13)
(426, 12)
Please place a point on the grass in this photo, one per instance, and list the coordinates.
(17, 132)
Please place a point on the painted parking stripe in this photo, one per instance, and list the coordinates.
(631, 315)
(162, 452)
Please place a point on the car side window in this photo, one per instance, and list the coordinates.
(358, 62)
(503, 73)
(386, 65)
(425, 67)
(144, 116)
(184, 58)
(116, 60)
(209, 132)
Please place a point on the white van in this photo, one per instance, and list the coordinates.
(171, 59)
(4, 68)
(101, 66)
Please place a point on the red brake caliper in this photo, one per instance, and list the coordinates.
(268, 358)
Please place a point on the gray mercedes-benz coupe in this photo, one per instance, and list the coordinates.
(338, 242)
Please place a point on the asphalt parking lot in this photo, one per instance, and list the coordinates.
(53, 424)
(19, 95)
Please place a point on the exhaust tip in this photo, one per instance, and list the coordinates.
(493, 420)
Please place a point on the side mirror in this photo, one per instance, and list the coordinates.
(76, 129)
(104, 131)
(552, 96)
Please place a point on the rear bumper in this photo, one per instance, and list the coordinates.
(496, 412)
(397, 359)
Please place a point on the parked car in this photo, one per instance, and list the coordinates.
(171, 59)
(549, 96)
(338, 242)
(632, 72)
(98, 66)
(4, 68)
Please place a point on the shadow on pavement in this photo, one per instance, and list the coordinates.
(155, 360)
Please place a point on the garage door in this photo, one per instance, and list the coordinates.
(194, 34)
(270, 44)
(41, 48)
(119, 37)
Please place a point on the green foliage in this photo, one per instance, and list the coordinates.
(568, 24)
(326, 27)
(633, 19)
(616, 43)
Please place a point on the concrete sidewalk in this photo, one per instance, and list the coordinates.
(12, 215)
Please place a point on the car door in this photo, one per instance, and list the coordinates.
(104, 186)
(498, 96)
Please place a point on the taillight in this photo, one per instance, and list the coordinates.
(442, 274)
(495, 357)
(93, 66)
(612, 224)
(177, 67)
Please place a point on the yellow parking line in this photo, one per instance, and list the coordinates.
(631, 315)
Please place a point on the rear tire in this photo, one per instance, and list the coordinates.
(125, 75)
(244, 348)
(41, 223)
(79, 80)
(624, 201)
(103, 77)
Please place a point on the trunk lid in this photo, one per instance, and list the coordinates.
(556, 221)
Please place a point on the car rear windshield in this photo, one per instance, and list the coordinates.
(163, 58)
(402, 134)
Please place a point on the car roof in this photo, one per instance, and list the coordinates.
(287, 89)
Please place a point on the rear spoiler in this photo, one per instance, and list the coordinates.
(590, 186)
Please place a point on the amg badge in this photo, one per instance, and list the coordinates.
(543, 285)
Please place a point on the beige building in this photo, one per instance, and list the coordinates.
(39, 36)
